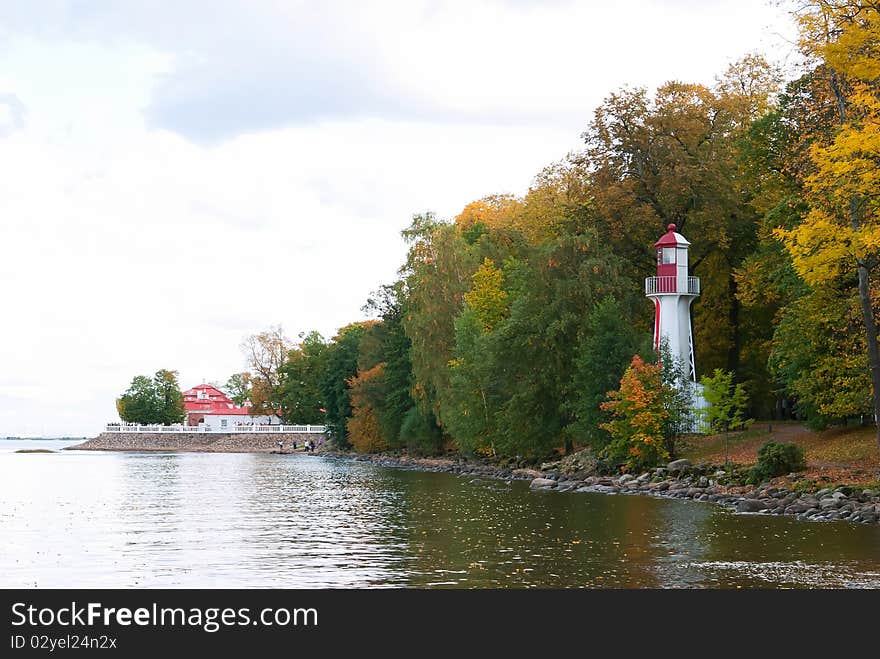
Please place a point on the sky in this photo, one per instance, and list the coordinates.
(175, 176)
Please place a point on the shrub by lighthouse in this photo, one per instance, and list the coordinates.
(673, 291)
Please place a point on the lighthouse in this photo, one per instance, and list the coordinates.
(673, 291)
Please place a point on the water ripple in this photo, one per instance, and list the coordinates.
(259, 520)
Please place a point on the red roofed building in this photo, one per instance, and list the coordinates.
(208, 405)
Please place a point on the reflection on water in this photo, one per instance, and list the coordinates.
(256, 520)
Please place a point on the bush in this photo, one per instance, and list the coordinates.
(775, 459)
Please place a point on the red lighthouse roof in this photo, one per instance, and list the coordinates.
(671, 238)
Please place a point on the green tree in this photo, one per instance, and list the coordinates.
(404, 420)
(471, 402)
(603, 354)
(301, 396)
(168, 397)
(727, 403)
(819, 355)
(238, 387)
(152, 401)
(437, 274)
(340, 365)
(678, 395)
(139, 403)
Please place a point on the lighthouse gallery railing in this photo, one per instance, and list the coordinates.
(655, 285)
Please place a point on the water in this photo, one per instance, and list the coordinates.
(85, 519)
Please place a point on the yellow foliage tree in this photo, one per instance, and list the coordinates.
(487, 298)
(493, 211)
(841, 232)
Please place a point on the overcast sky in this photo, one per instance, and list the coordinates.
(177, 175)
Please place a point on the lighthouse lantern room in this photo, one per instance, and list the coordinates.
(673, 291)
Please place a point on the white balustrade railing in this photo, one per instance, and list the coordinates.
(204, 428)
(669, 284)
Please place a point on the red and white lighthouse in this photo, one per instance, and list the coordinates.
(673, 291)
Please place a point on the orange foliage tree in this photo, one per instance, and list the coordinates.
(364, 431)
(639, 414)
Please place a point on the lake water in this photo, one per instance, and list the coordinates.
(225, 520)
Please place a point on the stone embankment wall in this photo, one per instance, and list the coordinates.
(239, 442)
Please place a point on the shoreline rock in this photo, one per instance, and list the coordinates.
(678, 480)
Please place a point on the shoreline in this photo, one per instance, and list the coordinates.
(678, 480)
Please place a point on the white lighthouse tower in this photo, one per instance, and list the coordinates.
(673, 291)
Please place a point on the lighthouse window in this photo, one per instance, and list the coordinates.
(668, 255)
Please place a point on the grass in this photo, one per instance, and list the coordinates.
(708, 448)
(836, 456)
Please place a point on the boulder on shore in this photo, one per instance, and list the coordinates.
(750, 506)
(542, 482)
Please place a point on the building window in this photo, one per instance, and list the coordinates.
(202, 394)
(222, 423)
(668, 255)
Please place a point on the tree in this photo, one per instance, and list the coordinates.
(364, 431)
(437, 274)
(265, 354)
(152, 401)
(403, 419)
(168, 397)
(638, 415)
(674, 157)
(238, 387)
(727, 403)
(806, 323)
(139, 403)
(841, 231)
(471, 402)
(491, 212)
(487, 298)
(678, 398)
(603, 354)
(510, 379)
(819, 355)
(301, 397)
(341, 364)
